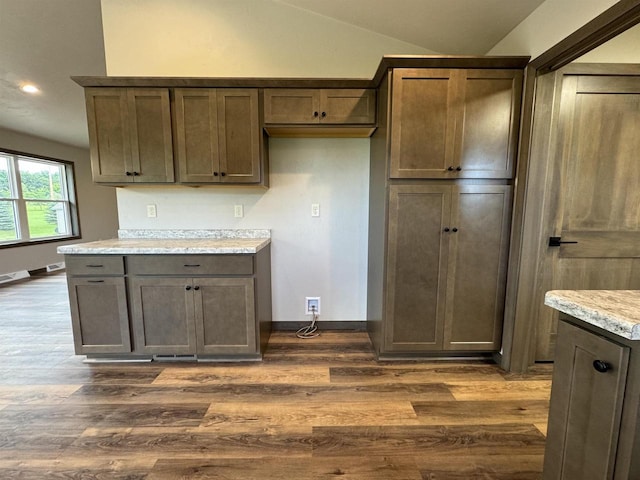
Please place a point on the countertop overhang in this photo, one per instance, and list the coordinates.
(616, 311)
(176, 242)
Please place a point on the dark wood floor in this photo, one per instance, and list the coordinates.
(313, 409)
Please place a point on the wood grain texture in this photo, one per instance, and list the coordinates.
(313, 409)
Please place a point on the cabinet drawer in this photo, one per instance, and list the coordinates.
(94, 264)
(190, 264)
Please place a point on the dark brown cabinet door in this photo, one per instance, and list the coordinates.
(586, 405)
(162, 315)
(239, 135)
(130, 135)
(453, 124)
(479, 247)
(99, 314)
(109, 141)
(416, 267)
(225, 316)
(196, 132)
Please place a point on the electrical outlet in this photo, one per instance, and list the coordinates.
(238, 211)
(315, 209)
(151, 211)
(312, 305)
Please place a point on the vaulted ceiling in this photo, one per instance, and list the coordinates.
(47, 41)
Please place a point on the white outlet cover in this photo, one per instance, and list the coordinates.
(315, 209)
(152, 211)
(309, 303)
(238, 211)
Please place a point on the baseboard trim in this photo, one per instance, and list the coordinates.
(356, 326)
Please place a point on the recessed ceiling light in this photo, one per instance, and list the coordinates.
(29, 88)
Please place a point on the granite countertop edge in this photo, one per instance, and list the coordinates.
(216, 242)
(616, 311)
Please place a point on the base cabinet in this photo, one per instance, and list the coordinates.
(98, 302)
(593, 415)
(214, 316)
(446, 267)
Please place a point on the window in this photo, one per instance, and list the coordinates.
(37, 201)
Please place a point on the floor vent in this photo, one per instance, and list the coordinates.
(13, 276)
(55, 266)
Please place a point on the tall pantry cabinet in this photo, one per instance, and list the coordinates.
(442, 163)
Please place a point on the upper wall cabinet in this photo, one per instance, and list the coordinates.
(130, 135)
(319, 106)
(454, 123)
(218, 136)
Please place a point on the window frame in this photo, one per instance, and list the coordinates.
(20, 203)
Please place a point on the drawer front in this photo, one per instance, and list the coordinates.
(190, 265)
(94, 264)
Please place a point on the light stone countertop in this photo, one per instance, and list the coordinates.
(159, 242)
(616, 311)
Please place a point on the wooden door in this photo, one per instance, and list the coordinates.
(150, 133)
(488, 118)
(225, 316)
(239, 135)
(416, 267)
(422, 123)
(196, 129)
(593, 193)
(292, 106)
(479, 247)
(162, 313)
(99, 314)
(586, 406)
(348, 106)
(109, 137)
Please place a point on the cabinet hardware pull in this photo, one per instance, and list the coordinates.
(191, 264)
(315, 114)
(324, 114)
(454, 229)
(446, 229)
(601, 366)
(128, 174)
(187, 288)
(215, 174)
(196, 287)
(458, 168)
(222, 174)
(95, 281)
(450, 169)
(555, 241)
(95, 266)
(135, 174)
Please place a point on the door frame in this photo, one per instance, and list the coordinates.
(519, 333)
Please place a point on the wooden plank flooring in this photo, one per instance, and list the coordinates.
(313, 409)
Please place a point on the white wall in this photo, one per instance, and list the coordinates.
(97, 205)
(325, 256)
(625, 48)
(322, 256)
(550, 23)
(237, 38)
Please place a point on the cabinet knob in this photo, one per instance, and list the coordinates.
(458, 168)
(446, 229)
(215, 174)
(128, 174)
(222, 174)
(196, 287)
(601, 366)
(324, 114)
(315, 114)
(454, 229)
(135, 174)
(187, 288)
(450, 169)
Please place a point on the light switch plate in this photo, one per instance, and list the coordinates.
(315, 209)
(151, 211)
